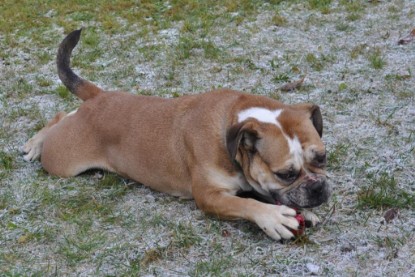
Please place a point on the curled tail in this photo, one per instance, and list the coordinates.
(78, 86)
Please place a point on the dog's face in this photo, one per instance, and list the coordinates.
(281, 153)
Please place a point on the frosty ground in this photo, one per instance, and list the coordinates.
(101, 224)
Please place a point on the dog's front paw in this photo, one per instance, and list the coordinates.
(310, 218)
(32, 149)
(276, 221)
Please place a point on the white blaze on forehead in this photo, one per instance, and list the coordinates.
(260, 114)
(296, 151)
(271, 116)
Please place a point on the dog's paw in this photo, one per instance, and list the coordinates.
(310, 218)
(276, 221)
(32, 149)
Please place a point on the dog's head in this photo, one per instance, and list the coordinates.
(281, 153)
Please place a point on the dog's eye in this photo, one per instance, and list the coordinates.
(287, 176)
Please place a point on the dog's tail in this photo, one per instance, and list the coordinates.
(78, 86)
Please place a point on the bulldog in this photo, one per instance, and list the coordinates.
(210, 147)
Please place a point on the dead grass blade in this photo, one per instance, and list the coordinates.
(293, 85)
(409, 38)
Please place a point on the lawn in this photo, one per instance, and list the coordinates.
(101, 224)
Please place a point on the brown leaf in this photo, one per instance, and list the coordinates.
(226, 233)
(390, 214)
(293, 85)
(409, 38)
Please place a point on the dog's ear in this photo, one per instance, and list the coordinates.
(241, 135)
(317, 119)
(315, 115)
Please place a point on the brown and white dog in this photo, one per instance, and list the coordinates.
(209, 147)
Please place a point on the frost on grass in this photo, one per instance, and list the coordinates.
(355, 70)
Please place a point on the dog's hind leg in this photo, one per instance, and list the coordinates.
(33, 147)
(75, 145)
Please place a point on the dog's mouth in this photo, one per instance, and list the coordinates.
(306, 195)
(310, 193)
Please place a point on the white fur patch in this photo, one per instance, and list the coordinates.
(260, 114)
(269, 116)
(310, 216)
(72, 113)
(296, 150)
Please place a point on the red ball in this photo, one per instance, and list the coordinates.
(301, 226)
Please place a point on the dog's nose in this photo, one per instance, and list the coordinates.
(316, 188)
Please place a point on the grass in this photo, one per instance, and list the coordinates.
(342, 86)
(322, 5)
(6, 161)
(81, 245)
(215, 266)
(383, 192)
(63, 92)
(318, 63)
(187, 47)
(336, 156)
(376, 59)
(279, 20)
(184, 236)
(282, 78)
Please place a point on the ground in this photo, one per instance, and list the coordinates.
(101, 224)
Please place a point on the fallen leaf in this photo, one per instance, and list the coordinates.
(348, 247)
(293, 85)
(226, 233)
(390, 214)
(409, 38)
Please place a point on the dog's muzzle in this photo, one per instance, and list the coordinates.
(312, 191)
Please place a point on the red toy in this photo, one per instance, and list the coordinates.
(301, 223)
(301, 226)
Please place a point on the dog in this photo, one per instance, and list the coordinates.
(210, 147)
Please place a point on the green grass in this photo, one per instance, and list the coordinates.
(82, 244)
(358, 50)
(21, 88)
(383, 192)
(282, 78)
(44, 58)
(6, 161)
(342, 86)
(322, 5)
(376, 59)
(343, 27)
(336, 156)
(188, 46)
(43, 82)
(63, 92)
(279, 20)
(184, 236)
(215, 266)
(354, 8)
(315, 62)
